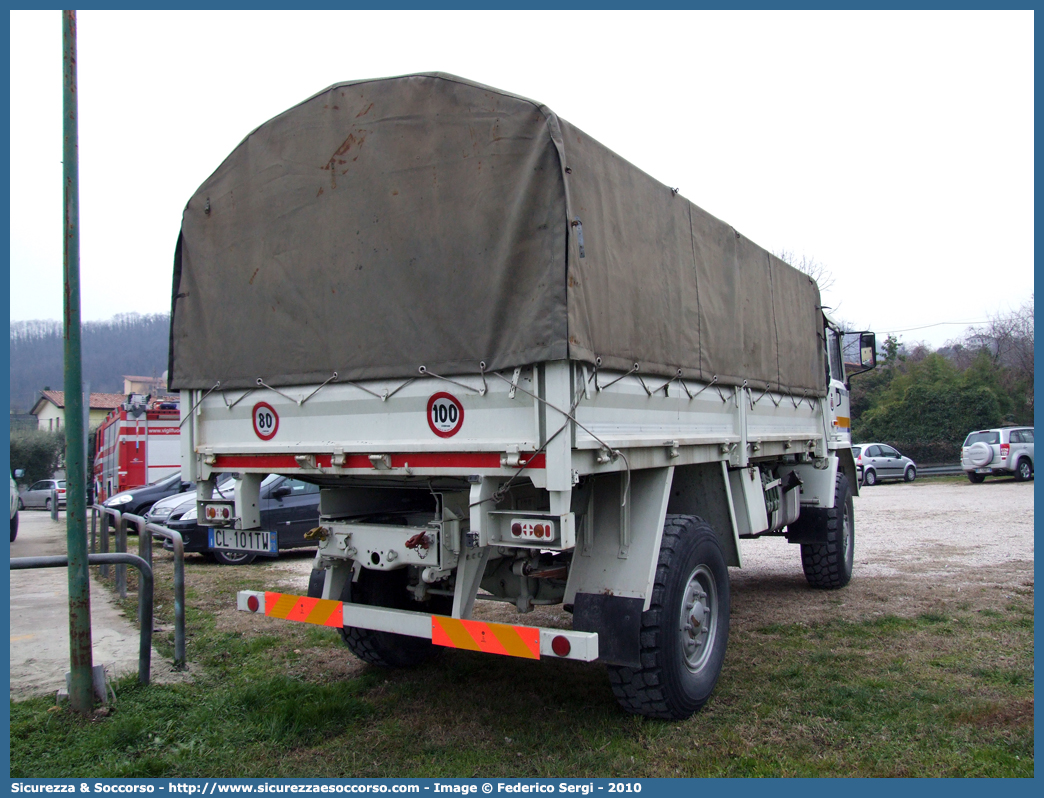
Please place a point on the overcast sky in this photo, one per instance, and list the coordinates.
(894, 148)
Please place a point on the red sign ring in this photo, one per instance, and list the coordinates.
(266, 421)
(445, 414)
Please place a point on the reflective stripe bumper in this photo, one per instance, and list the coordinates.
(528, 642)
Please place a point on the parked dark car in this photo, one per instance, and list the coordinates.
(289, 508)
(137, 501)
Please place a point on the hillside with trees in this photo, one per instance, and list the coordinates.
(921, 401)
(925, 402)
(129, 343)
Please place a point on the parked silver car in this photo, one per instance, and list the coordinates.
(1005, 451)
(879, 461)
(39, 494)
(15, 504)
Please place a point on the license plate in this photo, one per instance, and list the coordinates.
(983, 470)
(259, 541)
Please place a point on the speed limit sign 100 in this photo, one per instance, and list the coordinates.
(266, 421)
(445, 414)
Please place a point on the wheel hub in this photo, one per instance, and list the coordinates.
(698, 613)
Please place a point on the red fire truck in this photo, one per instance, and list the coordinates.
(138, 443)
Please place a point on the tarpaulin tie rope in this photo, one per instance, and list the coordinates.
(261, 382)
(480, 391)
(332, 378)
(598, 362)
(193, 410)
(386, 395)
(571, 417)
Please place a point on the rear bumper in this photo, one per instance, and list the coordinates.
(194, 538)
(528, 642)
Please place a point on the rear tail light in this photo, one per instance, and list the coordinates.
(217, 513)
(1004, 448)
(532, 529)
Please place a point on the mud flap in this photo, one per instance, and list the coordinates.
(618, 622)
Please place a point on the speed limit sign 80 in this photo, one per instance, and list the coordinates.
(266, 421)
(445, 414)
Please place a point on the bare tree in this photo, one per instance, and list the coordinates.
(1009, 341)
(807, 265)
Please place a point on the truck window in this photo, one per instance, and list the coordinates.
(834, 352)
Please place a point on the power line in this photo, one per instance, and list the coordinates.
(944, 323)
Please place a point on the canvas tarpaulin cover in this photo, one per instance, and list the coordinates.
(427, 220)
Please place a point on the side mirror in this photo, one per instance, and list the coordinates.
(19, 473)
(280, 492)
(859, 351)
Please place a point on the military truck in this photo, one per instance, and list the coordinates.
(520, 370)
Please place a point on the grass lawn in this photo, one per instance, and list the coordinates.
(933, 695)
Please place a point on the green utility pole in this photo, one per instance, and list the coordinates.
(81, 689)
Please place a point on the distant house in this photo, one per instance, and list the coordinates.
(153, 386)
(50, 409)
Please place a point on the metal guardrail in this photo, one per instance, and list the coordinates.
(104, 513)
(935, 471)
(145, 594)
(145, 534)
(146, 531)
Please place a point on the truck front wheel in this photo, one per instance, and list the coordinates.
(384, 589)
(828, 565)
(685, 630)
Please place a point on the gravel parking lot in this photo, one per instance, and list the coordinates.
(918, 548)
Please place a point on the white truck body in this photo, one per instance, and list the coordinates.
(616, 486)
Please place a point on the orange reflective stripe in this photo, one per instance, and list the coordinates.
(277, 605)
(844, 421)
(492, 638)
(322, 612)
(452, 634)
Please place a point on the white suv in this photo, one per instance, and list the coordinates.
(998, 452)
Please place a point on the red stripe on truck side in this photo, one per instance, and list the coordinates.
(280, 462)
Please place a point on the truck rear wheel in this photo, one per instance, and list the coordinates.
(685, 631)
(829, 565)
(384, 589)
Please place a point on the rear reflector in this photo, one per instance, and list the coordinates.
(560, 645)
